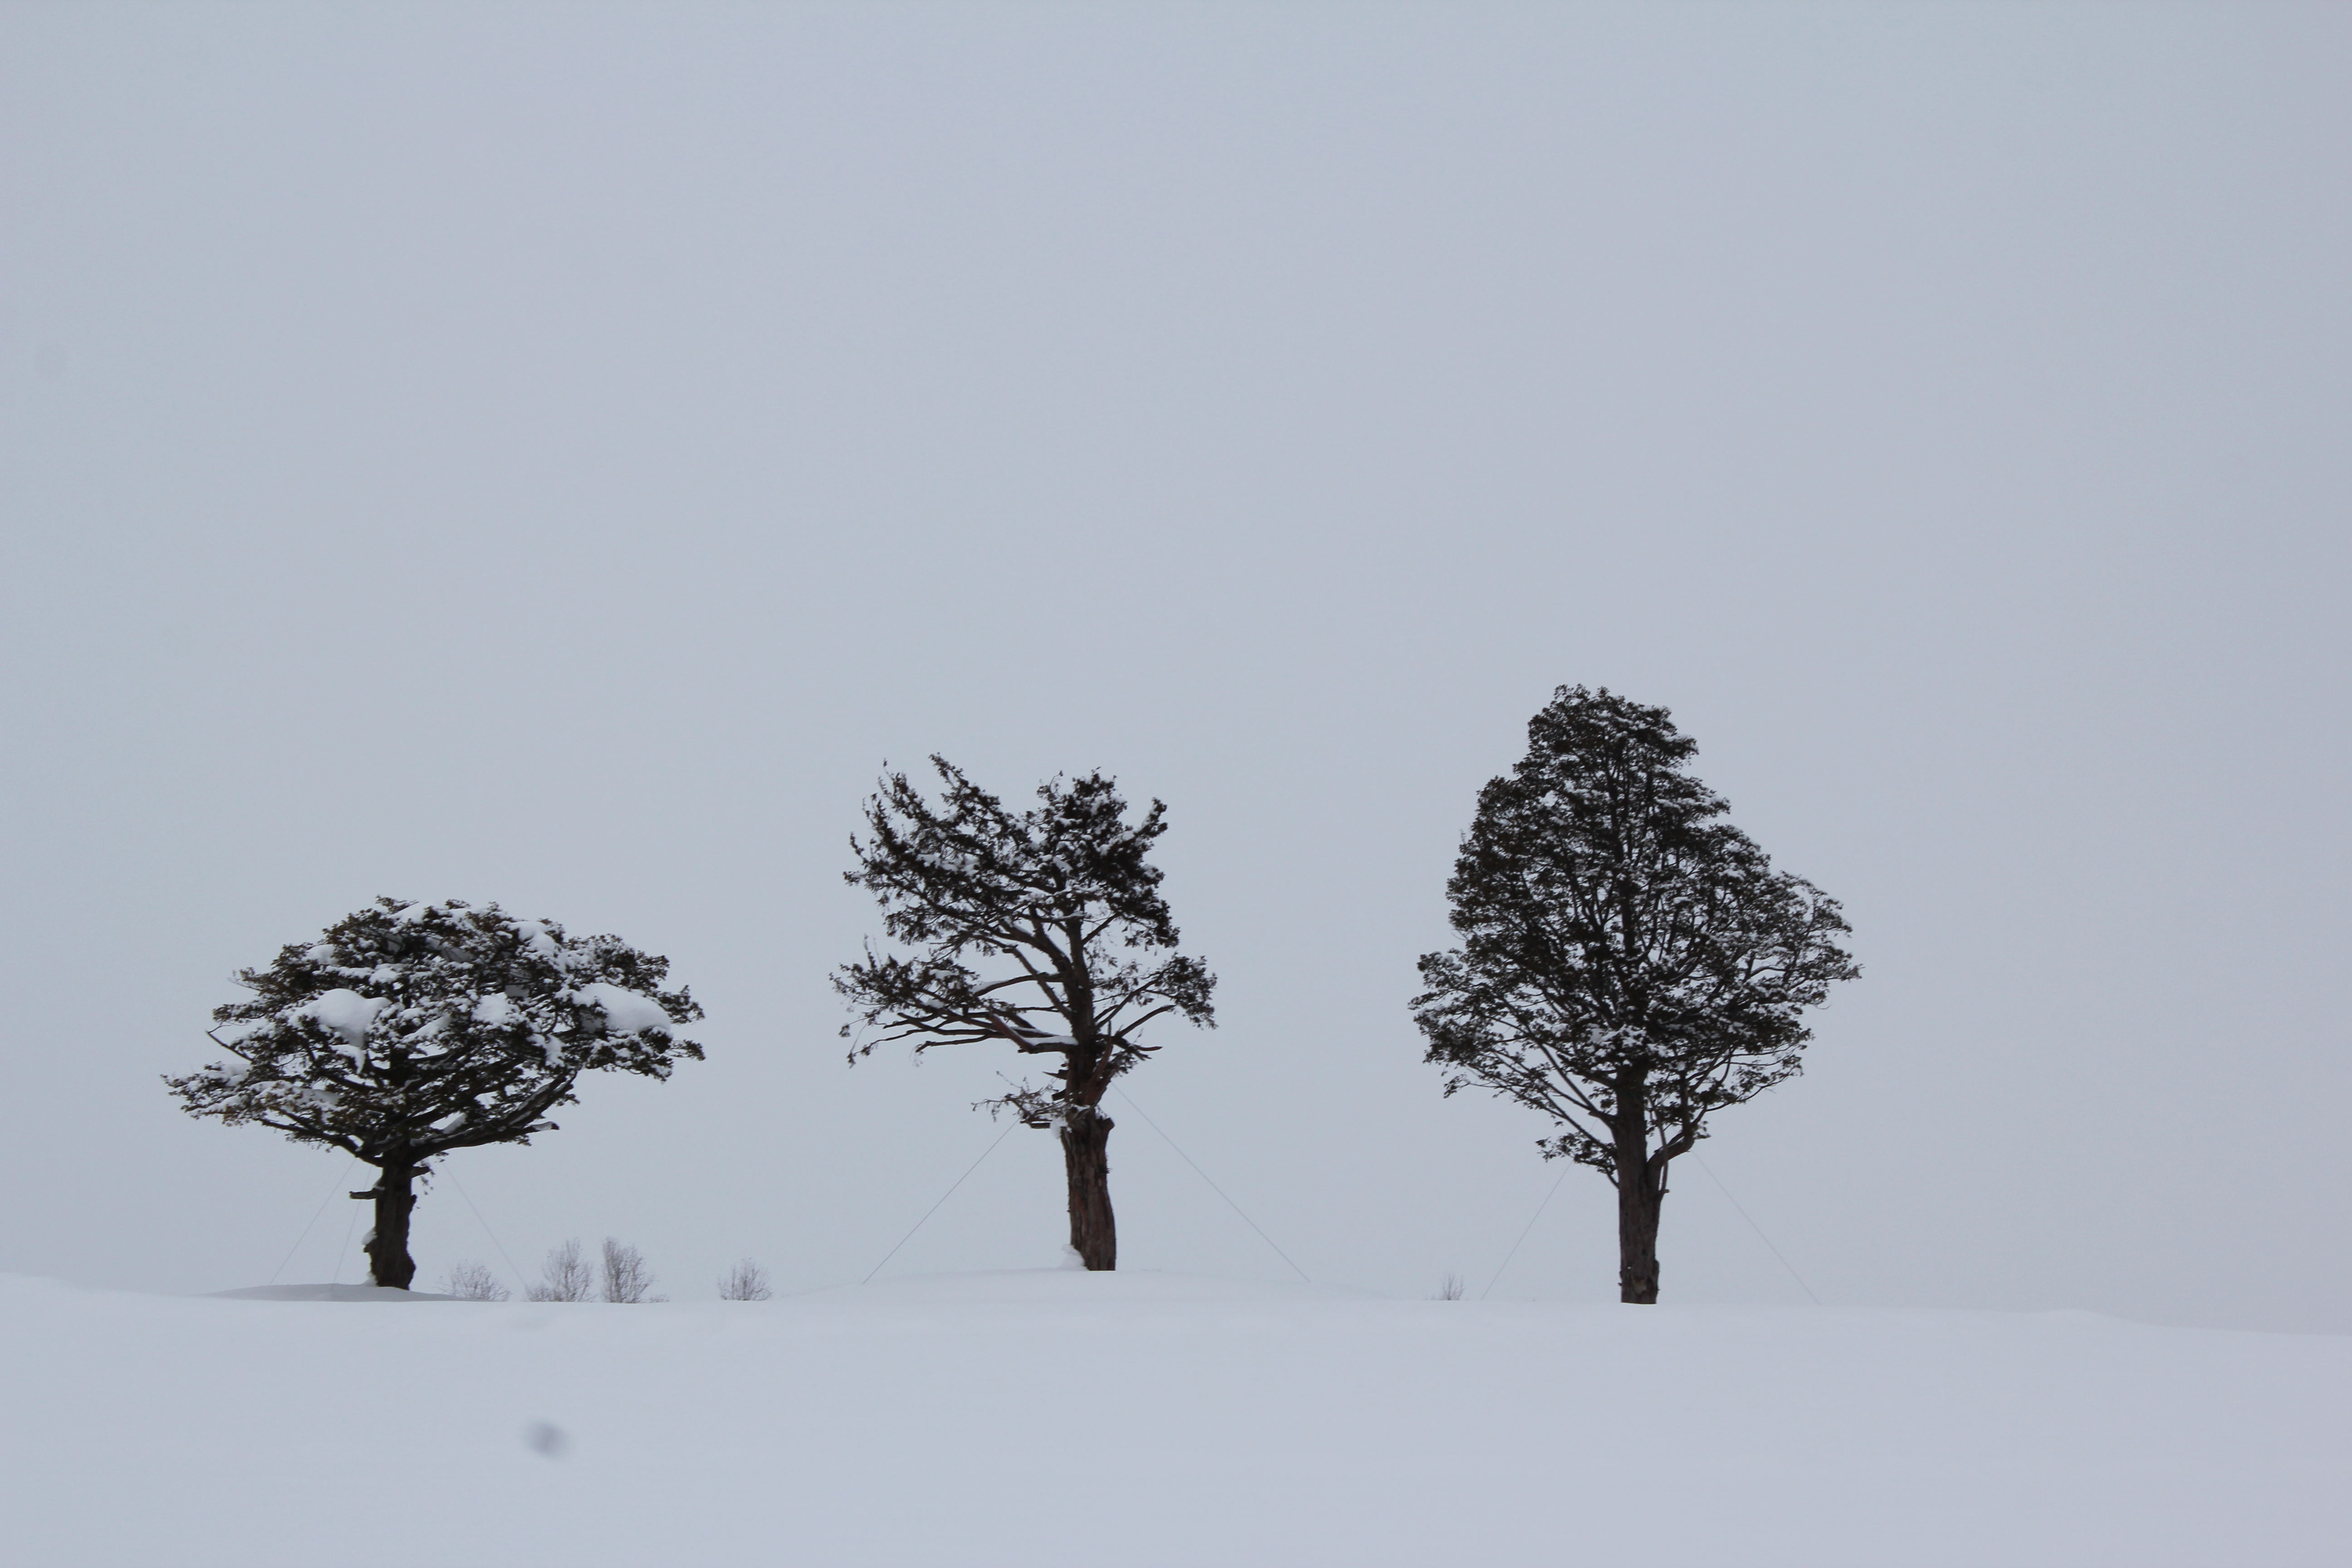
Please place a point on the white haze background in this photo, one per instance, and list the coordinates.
(557, 455)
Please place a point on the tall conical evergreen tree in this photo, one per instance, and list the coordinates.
(1630, 963)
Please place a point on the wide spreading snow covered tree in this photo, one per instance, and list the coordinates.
(1631, 962)
(409, 1030)
(1059, 905)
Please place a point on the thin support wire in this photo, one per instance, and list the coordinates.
(1213, 1186)
(338, 1278)
(489, 1232)
(1759, 1229)
(935, 1207)
(1523, 1233)
(303, 1237)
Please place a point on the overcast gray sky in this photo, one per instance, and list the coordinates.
(557, 455)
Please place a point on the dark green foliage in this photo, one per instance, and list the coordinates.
(1630, 961)
(408, 1030)
(1060, 905)
(1062, 900)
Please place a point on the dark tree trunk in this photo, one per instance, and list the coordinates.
(1086, 1157)
(387, 1249)
(1641, 1189)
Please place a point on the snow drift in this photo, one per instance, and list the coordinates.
(1056, 1417)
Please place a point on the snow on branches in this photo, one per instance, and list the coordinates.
(1630, 962)
(1062, 910)
(410, 1029)
(1060, 902)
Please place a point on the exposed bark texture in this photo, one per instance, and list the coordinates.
(1640, 1189)
(395, 1196)
(1085, 1158)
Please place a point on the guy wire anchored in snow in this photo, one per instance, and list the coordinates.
(1213, 1186)
(944, 1197)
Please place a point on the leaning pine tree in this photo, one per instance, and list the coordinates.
(1630, 961)
(409, 1030)
(1044, 929)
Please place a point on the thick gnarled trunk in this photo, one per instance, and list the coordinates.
(1640, 1189)
(1637, 1239)
(1085, 1159)
(387, 1249)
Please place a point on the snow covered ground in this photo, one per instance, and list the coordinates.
(1047, 1417)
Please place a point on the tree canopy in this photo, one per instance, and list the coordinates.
(1044, 930)
(1630, 962)
(407, 1030)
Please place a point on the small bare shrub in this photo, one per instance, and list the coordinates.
(471, 1282)
(747, 1281)
(626, 1279)
(1449, 1288)
(565, 1275)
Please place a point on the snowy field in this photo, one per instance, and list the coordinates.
(1048, 1417)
